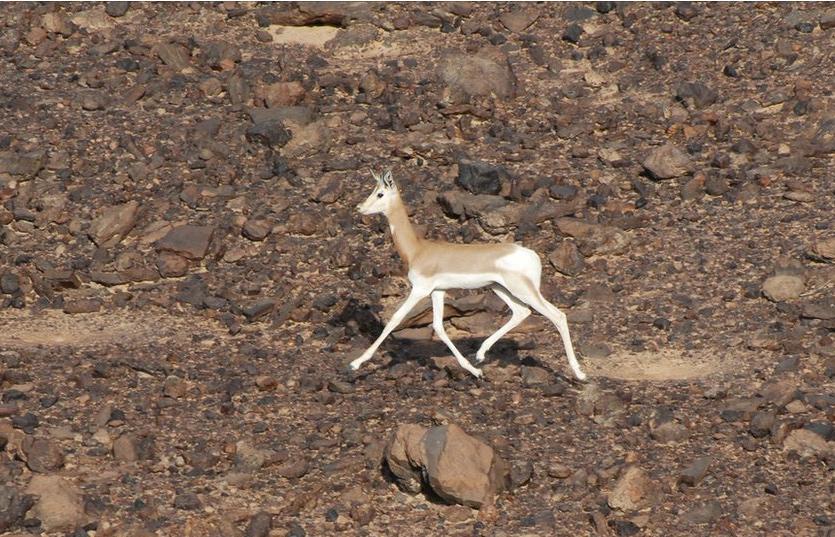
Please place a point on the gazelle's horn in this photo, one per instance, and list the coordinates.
(376, 177)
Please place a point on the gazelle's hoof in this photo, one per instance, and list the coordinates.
(479, 358)
(477, 373)
(353, 366)
(581, 377)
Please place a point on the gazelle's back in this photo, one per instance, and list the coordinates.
(486, 259)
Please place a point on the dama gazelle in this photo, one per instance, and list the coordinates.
(511, 271)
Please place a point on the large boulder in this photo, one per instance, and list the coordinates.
(456, 466)
(461, 468)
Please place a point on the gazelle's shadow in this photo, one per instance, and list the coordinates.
(367, 323)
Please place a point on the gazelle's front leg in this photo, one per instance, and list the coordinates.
(438, 325)
(411, 301)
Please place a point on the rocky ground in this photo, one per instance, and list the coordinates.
(183, 277)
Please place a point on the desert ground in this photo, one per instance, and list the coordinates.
(184, 277)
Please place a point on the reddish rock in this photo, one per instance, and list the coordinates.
(189, 241)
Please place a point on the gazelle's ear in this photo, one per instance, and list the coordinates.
(388, 180)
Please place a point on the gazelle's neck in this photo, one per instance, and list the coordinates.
(405, 239)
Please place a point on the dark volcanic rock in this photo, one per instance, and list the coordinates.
(271, 133)
(480, 177)
(696, 94)
(116, 9)
(13, 507)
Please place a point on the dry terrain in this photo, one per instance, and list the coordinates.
(183, 277)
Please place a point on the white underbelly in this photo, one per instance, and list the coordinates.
(463, 281)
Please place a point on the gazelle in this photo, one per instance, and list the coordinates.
(511, 271)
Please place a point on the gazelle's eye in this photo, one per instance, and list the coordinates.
(380, 195)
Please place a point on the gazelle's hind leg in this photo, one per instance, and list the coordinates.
(438, 325)
(526, 291)
(520, 313)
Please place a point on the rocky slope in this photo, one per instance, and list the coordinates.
(183, 277)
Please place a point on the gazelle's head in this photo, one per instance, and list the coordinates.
(382, 198)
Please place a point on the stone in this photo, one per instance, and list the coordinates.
(13, 507)
(686, 11)
(328, 190)
(116, 9)
(567, 259)
(188, 240)
(825, 248)
(57, 23)
(458, 467)
(667, 162)
(59, 505)
(783, 287)
(634, 490)
(595, 239)
(518, 20)
(249, 458)
(9, 283)
(307, 140)
(716, 185)
(171, 265)
(808, 443)
(24, 165)
(480, 177)
(94, 100)
(404, 456)
(125, 448)
(259, 525)
(174, 55)
(533, 376)
(696, 94)
(559, 471)
(42, 455)
(187, 501)
(113, 223)
(761, 424)
(259, 309)
(694, 188)
(221, 55)
(819, 310)
(827, 20)
(703, 513)
(295, 469)
(462, 469)
(669, 432)
(693, 474)
(271, 133)
(238, 89)
(174, 387)
(82, 305)
(572, 33)
(780, 392)
(283, 94)
(256, 230)
(478, 75)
